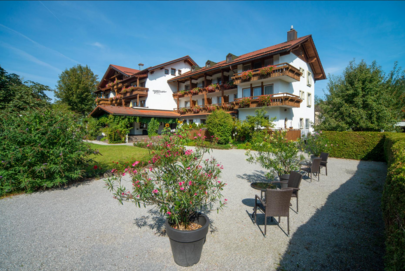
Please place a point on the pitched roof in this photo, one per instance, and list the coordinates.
(127, 71)
(129, 111)
(173, 61)
(271, 50)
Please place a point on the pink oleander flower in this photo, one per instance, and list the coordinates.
(226, 199)
(123, 174)
(181, 188)
(188, 168)
(155, 191)
(169, 213)
(190, 182)
(219, 181)
(137, 182)
(199, 134)
(195, 194)
(217, 165)
(180, 183)
(150, 169)
(195, 137)
(135, 171)
(222, 167)
(134, 164)
(126, 170)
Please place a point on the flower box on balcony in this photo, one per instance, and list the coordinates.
(196, 90)
(196, 109)
(227, 106)
(265, 100)
(183, 110)
(212, 88)
(211, 108)
(245, 102)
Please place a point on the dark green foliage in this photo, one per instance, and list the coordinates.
(363, 99)
(18, 95)
(116, 127)
(220, 124)
(153, 127)
(356, 145)
(393, 202)
(93, 128)
(76, 88)
(40, 149)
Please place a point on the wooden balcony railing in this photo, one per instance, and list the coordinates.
(203, 109)
(279, 99)
(283, 69)
(201, 91)
(135, 91)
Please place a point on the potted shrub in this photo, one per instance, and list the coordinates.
(180, 183)
(276, 154)
(245, 102)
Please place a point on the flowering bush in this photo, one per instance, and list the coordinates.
(245, 102)
(212, 87)
(41, 149)
(266, 70)
(315, 144)
(246, 75)
(212, 107)
(183, 110)
(182, 92)
(276, 154)
(265, 99)
(195, 90)
(179, 182)
(196, 109)
(228, 106)
(229, 85)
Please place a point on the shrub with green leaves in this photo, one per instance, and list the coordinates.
(315, 143)
(93, 128)
(41, 149)
(393, 202)
(153, 127)
(220, 124)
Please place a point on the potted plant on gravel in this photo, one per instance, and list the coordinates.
(276, 154)
(182, 184)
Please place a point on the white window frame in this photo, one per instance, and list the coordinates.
(309, 79)
(301, 123)
(309, 99)
(302, 70)
(307, 124)
(302, 95)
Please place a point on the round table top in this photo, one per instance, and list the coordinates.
(263, 185)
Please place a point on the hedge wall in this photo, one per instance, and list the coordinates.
(357, 145)
(393, 202)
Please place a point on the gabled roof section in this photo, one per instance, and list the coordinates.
(124, 70)
(129, 111)
(268, 51)
(184, 58)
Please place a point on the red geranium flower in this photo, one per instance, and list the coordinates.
(95, 167)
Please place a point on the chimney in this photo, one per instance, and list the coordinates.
(292, 34)
(140, 66)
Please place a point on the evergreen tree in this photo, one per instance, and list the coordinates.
(363, 99)
(76, 88)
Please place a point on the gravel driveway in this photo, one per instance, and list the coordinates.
(339, 226)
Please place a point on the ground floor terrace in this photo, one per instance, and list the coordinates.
(338, 227)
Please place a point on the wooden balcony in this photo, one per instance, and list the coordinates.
(203, 109)
(279, 99)
(202, 91)
(283, 71)
(134, 92)
(109, 101)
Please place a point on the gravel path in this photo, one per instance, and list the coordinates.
(339, 226)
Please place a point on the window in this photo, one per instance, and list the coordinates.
(187, 87)
(219, 99)
(257, 65)
(142, 85)
(247, 67)
(302, 95)
(309, 79)
(173, 71)
(190, 121)
(203, 121)
(166, 71)
(235, 96)
(268, 90)
(303, 72)
(246, 92)
(306, 123)
(309, 100)
(257, 91)
(301, 123)
(219, 81)
(186, 104)
(179, 72)
(143, 125)
(201, 102)
(229, 59)
(268, 62)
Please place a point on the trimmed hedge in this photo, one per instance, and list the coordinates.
(357, 145)
(393, 202)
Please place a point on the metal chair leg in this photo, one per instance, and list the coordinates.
(265, 224)
(326, 169)
(288, 224)
(297, 202)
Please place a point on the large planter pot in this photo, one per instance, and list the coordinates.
(284, 177)
(187, 245)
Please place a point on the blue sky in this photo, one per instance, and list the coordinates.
(38, 40)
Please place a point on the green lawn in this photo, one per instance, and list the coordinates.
(118, 153)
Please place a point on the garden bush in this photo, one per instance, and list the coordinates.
(41, 149)
(93, 128)
(356, 145)
(220, 124)
(393, 202)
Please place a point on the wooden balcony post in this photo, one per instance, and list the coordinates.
(205, 97)
(222, 97)
(123, 102)
(191, 84)
(137, 81)
(205, 80)
(137, 100)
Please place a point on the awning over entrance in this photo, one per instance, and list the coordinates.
(129, 111)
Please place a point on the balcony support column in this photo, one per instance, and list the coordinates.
(205, 98)
(222, 97)
(177, 86)
(137, 81)
(137, 100)
(123, 102)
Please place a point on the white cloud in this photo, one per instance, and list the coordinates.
(29, 57)
(97, 44)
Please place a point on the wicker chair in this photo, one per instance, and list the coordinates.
(277, 203)
(293, 182)
(315, 168)
(324, 162)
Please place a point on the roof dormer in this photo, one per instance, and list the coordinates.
(230, 57)
(195, 68)
(209, 63)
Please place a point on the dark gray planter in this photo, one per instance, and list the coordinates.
(187, 245)
(284, 177)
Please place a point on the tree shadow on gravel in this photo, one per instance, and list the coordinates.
(256, 176)
(347, 233)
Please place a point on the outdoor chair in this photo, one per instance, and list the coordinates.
(324, 162)
(293, 182)
(314, 168)
(276, 203)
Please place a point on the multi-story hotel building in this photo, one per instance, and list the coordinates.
(280, 78)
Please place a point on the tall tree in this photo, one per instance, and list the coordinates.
(363, 99)
(76, 88)
(18, 95)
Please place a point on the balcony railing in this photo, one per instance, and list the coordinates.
(109, 101)
(135, 91)
(203, 109)
(279, 99)
(282, 70)
(208, 89)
